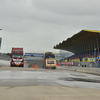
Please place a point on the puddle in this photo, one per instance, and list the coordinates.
(80, 80)
(78, 75)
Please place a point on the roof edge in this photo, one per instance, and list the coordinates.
(96, 31)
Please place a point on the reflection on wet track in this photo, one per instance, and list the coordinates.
(48, 77)
(29, 76)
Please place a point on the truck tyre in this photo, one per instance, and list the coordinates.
(43, 66)
(46, 67)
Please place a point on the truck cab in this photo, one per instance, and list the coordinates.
(17, 58)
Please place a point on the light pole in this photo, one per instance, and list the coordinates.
(0, 41)
(94, 52)
(60, 56)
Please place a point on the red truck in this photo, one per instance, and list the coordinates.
(17, 58)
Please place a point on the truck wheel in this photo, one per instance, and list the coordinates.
(43, 66)
(46, 67)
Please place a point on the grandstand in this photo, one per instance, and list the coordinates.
(84, 44)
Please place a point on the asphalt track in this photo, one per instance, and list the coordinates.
(32, 61)
(28, 83)
(15, 77)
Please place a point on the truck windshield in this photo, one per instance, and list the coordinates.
(49, 56)
(17, 55)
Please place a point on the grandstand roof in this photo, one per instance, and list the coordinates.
(80, 42)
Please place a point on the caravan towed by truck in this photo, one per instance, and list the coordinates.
(49, 60)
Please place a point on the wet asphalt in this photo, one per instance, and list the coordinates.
(29, 76)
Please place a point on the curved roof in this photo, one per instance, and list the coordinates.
(80, 42)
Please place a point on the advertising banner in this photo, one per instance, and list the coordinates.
(34, 54)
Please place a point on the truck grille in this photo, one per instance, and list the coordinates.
(50, 62)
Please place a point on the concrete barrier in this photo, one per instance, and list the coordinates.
(4, 62)
(81, 69)
(61, 67)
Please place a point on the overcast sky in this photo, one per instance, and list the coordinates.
(38, 25)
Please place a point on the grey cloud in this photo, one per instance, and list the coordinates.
(70, 7)
(38, 25)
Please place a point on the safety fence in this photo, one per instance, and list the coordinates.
(79, 64)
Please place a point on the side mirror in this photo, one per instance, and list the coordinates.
(11, 55)
(42, 56)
